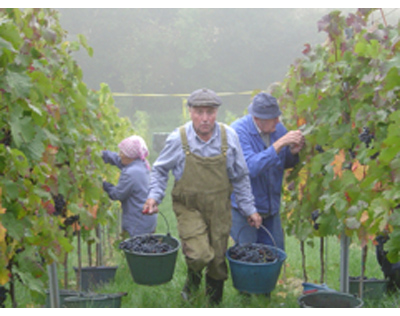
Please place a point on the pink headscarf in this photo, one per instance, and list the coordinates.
(135, 147)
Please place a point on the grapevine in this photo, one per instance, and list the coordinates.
(344, 95)
(52, 131)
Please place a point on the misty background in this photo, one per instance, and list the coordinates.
(143, 53)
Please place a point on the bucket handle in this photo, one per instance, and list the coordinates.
(165, 219)
(264, 228)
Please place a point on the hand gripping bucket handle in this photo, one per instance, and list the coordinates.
(261, 226)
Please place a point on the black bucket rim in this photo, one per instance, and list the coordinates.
(176, 249)
(369, 281)
(97, 268)
(258, 264)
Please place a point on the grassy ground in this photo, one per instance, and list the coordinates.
(285, 295)
(289, 286)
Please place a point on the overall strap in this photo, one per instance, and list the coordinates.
(185, 145)
(224, 140)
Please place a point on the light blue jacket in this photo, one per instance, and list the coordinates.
(266, 167)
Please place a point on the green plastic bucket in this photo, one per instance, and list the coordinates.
(153, 268)
(372, 288)
(329, 299)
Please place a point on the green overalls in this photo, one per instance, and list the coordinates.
(201, 202)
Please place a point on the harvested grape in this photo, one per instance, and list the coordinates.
(146, 244)
(254, 253)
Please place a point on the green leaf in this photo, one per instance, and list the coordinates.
(35, 148)
(19, 83)
(5, 45)
(10, 33)
(306, 103)
(387, 154)
(22, 129)
(83, 41)
(11, 190)
(92, 192)
(352, 223)
(392, 79)
(29, 281)
(15, 226)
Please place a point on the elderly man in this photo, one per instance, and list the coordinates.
(207, 162)
(268, 149)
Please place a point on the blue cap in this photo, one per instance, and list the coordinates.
(264, 106)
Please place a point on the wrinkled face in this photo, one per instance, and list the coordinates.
(203, 118)
(267, 126)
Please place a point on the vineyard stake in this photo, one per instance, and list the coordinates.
(53, 286)
(344, 263)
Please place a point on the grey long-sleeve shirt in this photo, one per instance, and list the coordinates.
(172, 158)
(131, 191)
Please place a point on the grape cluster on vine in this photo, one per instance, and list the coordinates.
(59, 204)
(365, 136)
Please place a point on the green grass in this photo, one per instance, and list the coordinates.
(285, 295)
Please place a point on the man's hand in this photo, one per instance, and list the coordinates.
(150, 207)
(255, 220)
(296, 147)
(294, 139)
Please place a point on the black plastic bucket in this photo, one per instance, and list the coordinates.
(329, 299)
(92, 277)
(94, 301)
(63, 294)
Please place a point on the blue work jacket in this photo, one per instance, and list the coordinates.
(266, 167)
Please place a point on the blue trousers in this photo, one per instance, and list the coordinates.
(242, 232)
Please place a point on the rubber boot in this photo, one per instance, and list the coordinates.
(214, 290)
(192, 284)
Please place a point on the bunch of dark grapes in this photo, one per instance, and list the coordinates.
(254, 253)
(365, 136)
(314, 217)
(6, 137)
(146, 244)
(71, 220)
(3, 296)
(319, 149)
(59, 204)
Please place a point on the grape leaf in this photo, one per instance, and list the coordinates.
(22, 129)
(19, 83)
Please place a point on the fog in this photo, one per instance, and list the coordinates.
(156, 56)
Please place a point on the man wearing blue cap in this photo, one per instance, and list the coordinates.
(268, 149)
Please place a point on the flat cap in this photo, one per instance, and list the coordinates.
(204, 97)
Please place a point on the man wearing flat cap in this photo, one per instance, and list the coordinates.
(268, 149)
(207, 162)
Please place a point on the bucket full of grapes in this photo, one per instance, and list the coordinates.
(151, 258)
(254, 267)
